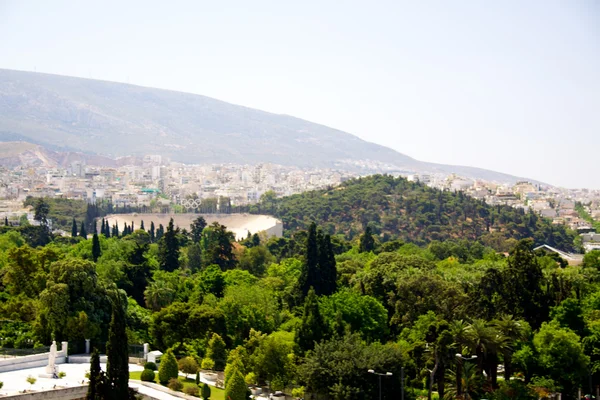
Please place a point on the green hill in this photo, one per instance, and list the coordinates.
(398, 209)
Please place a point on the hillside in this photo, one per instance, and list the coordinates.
(398, 209)
(113, 119)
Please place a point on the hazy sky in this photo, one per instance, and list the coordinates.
(512, 86)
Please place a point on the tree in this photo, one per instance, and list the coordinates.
(309, 274)
(197, 227)
(96, 250)
(313, 328)
(5, 221)
(561, 356)
(205, 392)
(367, 243)
(41, 211)
(168, 368)
(97, 380)
(82, 231)
(188, 365)
(74, 228)
(117, 352)
(327, 267)
(217, 352)
(142, 225)
(217, 243)
(152, 233)
(236, 388)
(169, 249)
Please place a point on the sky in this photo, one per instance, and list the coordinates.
(511, 86)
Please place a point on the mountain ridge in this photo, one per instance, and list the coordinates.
(71, 114)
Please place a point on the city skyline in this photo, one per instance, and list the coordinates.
(438, 83)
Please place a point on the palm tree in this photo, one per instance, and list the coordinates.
(486, 342)
(158, 294)
(514, 330)
(469, 379)
(462, 340)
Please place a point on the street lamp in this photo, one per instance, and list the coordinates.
(379, 375)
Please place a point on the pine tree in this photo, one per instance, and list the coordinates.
(97, 381)
(74, 228)
(168, 367)
(142, 225)
(117, 352)
(313, 328)
(168, 249)
(82, 231)
(96, 251)
(367, 243)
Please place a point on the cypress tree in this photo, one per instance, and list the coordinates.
(74, 228)
(169, 249)
(309, 273)
(142, 226)
(152, 234)
(313, 328)
(94, 227)
(102, 228)
(327, 267)
(106, 229)
(159, 232)
(205, 393)
(367, 243)
(117, 352)
(5, 221)
(82, 231)
(96, 251)
(132, 227)
(97, 381)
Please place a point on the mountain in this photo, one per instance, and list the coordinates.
(395, 208)
(114, 119)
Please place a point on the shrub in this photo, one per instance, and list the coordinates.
(208, 363)
(1, 384)
(205, 392)
(187, 365)
(62, 374)
(168, 368)
(250, 378)
(175, 384)
(148, 375)
(151, 366)
(192, 391)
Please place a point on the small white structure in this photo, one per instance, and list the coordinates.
(154, 356)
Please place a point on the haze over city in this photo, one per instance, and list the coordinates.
(509, 86)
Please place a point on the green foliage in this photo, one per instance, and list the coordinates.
(148, 375)
(175, 384)
(313, 328)
(169, 248)
(188, 365)
(236, 388)
(561, 355)
(217, 352)
(117, 352)
(412, 212)
(151, 366)
(205, 392)
(363, 314)
(192, 391)
(168, 368)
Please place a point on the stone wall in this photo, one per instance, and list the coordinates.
(72, 393)
(33, 361)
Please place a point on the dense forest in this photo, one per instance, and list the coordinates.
(395, 208)
(310, 313)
